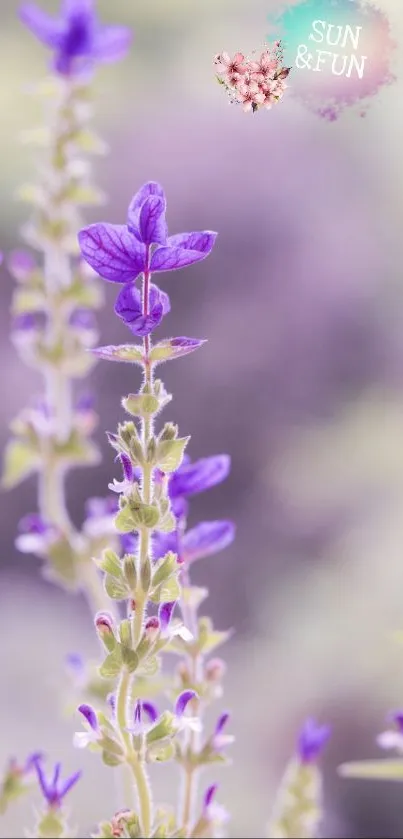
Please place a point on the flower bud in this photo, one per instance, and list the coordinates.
(215, 670)
(105, 627)
(152, 628)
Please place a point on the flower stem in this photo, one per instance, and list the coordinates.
(190, 771)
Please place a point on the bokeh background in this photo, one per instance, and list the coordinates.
(301, 382)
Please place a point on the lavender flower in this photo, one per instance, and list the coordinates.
(54, 790)
(312, 740)
(76, 38)
(129, 308)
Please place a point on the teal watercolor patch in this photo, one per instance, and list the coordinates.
(340, 52)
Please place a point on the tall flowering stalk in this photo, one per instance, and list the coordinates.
(153, 575)
(53, 306)
(298, 810)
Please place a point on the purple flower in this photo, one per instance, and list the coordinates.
(85, 403)
(120, 252)
(214, 813)
(92, 733)
(141, 710)
(203, 474)
(129, 308)
(76, 668)
(83, 319)
(76, 37)
(312, 740)
(100, 516)
(183, 700)
(89, 715)
(165, 612)
(54, 790)
(393, 738)
(208, 537)
(219, 740)
(35, 535)
(24, 323)
(21, 265)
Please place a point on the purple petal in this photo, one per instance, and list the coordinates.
(33, 523)
(200, 242)
(208, 537)
(209, 795)
(21, 264)
(397, 718)
(72, 8)
(129, 307)
(37, 763)
(175, 348)
(312, 740)
(152, 224)
(112, 251)
(48, 30)
(111, 700)
(221, 723)
(164, 542)
(31, 761)
(75, 663)
(165, 614)
(145, 191)
(126, 466)
(183, 701)
(182, 250)
(83, 319)
(196, 477)
(129, 542)
(112, 43)
(137, 713)
(56, 775)
(68, 784)
(151, 711)
(89, 714)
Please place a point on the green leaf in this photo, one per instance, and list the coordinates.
(174, 348)
(381, 770)
(165, 567)
(116, 589)
(170, 453)
(124, 520)
(51, 825)
(111, 564)
(112, 665)
(168, 591)
(148, 668)
(130, 659)
(162, 753)
(111, 760)
(125, 352)
(141, 404)
(20, 460)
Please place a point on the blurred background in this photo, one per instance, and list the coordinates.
(301, 382)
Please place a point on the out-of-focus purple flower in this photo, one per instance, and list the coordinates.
(120, 252)
(192, 478)
(83, 319)
(100, 516)
(213, 812)
(76, 37)
(76, 668)
(393, 737)
(183, 701)
(85, 403)
(129, 542)
(21, 265)
(312, 740)
(207, 538)
(220, 740)
(54, 790)
(35, 534)
(129, 307)
(24, 323)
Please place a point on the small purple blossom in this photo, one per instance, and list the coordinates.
(76, 668)
(119, 253)
(27, 322)
(141, 710)
(100, 516)
(392, 739)
(219, 740)
(203, 474)
(35, 534)
(83, 319)
(165, 612)
(85, 403)
(312, 740)
(21, 265)
(129, 307)
(76, 37)
(213, 812)
(54, 790)
(182, 702)
(89, 715)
